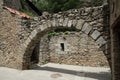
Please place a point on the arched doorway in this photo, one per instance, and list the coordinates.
(88, 55)
(42, 29)
(35, 53)
(34, 58)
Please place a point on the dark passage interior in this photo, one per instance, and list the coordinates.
(35, 55)
(62, 46)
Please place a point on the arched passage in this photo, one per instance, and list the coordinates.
(81, 25)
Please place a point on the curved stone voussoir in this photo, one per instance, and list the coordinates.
(33, 34)
(42, 27)
(74, 23)
(65, 22)
(86, 28)
(26, 43)
(49, 23)
(54, 22)
(69, 24)
(60, 22)
(80, 24)
(104, 47)
(101, 41)
(95, 34)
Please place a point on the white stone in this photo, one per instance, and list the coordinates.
(95, 34)
(49, 23)
(69, 23)
(65, 22)
(60, 22)
(54, 23)
(33, 34)
(27, 41)
(86, 28)
(80, 24)
(101, 41)
(74, 22)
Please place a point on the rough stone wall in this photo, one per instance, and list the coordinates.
(1, 2)
(20, 35)
(44, 50)
(79, 49)
(9, 39)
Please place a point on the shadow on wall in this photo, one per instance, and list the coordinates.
(95, 75)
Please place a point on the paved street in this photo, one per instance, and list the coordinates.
(53, 71)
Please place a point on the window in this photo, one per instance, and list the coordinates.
(62, 46)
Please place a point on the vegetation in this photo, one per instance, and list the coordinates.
(25, 9)
(54, 6)
(96, 2)
(59, 32)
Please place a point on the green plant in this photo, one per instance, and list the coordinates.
(27, 12)
(66, 32)
(24, 8)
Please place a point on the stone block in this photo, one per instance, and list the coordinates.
(74, 22)
(101, 41)
(54, 23)
(80, 24)
(33, 34)
(95, 34)
(27, 41)
(65, 22)
(69, 23)
(60, 23)
(48, 23)
(104, 47)
(42, 27)
(45, 25)
(86, 28)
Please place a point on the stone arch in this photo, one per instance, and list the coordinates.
(80, 25)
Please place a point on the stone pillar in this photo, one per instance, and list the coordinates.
(115, 51)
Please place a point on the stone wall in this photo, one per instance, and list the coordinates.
(44, 50)
(9, 38)
(19, 36)
(79, 49)
(91, 15)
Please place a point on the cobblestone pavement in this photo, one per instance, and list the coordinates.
(53, 71)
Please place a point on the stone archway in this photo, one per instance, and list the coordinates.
(80, 25)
